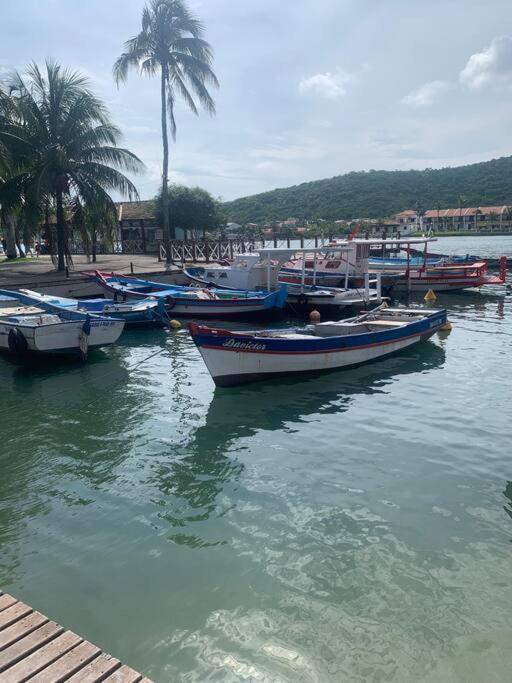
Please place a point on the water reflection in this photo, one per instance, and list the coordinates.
(191, 478)
(508, 494)
(242, 411)
(62, 439)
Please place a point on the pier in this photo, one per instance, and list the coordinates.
(34, 648)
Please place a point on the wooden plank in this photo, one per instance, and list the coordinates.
(124, 675)
(42, 657)
(97, 670)
(21, 628)
(13, 613)
(27, 645)
(6, 601)
(69, 664)
(36, 649)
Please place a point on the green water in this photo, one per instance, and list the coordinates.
(354, 527)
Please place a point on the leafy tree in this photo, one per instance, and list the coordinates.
(190, 208)
(171, 43)
(93, 221)
(64, 143)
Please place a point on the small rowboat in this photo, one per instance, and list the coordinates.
(137, 312)
(193, 301)
(241, 357)
(28, 325)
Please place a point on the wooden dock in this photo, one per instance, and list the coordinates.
(33, 648)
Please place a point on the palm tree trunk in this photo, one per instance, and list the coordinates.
(61, 246)
(165, 170)
(10, 236)
(94, 241)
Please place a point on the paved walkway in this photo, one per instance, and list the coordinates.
(41, 269)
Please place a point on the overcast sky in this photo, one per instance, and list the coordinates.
(309, 88)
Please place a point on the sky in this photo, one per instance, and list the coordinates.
(309, 89)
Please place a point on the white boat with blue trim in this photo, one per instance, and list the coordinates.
(234, 357)
(193, 301)
(28, 326)
(134, 312)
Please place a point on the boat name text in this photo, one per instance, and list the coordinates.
(242, 345)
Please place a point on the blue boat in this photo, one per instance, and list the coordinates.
(234, 357)
(196, 302)
(134, 312)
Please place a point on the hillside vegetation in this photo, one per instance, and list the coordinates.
(376, 194)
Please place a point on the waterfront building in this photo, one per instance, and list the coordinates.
(460, 219)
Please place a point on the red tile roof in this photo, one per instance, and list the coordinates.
(461, 212)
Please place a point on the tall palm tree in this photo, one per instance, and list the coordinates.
(171, 44)
(64, 143)
(461, 200)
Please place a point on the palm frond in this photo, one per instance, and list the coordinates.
(114, 156)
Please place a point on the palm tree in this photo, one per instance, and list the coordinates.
(8, 207)
(171, 43)
(64, 143)
(461, 200)
(477, 213)
(93, 222)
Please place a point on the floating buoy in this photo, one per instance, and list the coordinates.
(314, 316)
(429, 296)
(446, 327)
(175, 324)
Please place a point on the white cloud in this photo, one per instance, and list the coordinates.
(426, 94)
(491, 65)
(297, 150)
(328, 85)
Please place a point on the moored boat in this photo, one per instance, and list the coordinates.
(28, 325)
(449, 277)
(135, 312)
(492, 262)
(234, 357)
(263, 270)
(194, 301)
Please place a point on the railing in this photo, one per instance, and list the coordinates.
(194, 251)
(377, 281)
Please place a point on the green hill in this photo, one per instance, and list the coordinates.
(377, 194)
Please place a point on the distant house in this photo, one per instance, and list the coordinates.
(233, 227)
(139, 230)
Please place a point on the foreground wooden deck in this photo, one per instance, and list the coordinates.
(33, 648)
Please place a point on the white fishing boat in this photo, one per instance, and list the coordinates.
(264, 270)
(28, 326)
(234, 357)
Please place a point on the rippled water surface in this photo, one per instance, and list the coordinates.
(353, 527)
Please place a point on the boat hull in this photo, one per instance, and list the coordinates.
(184, 301)
(234, 359)
(438, 284)
(63, 337)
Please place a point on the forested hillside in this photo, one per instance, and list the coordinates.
(376, 194)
